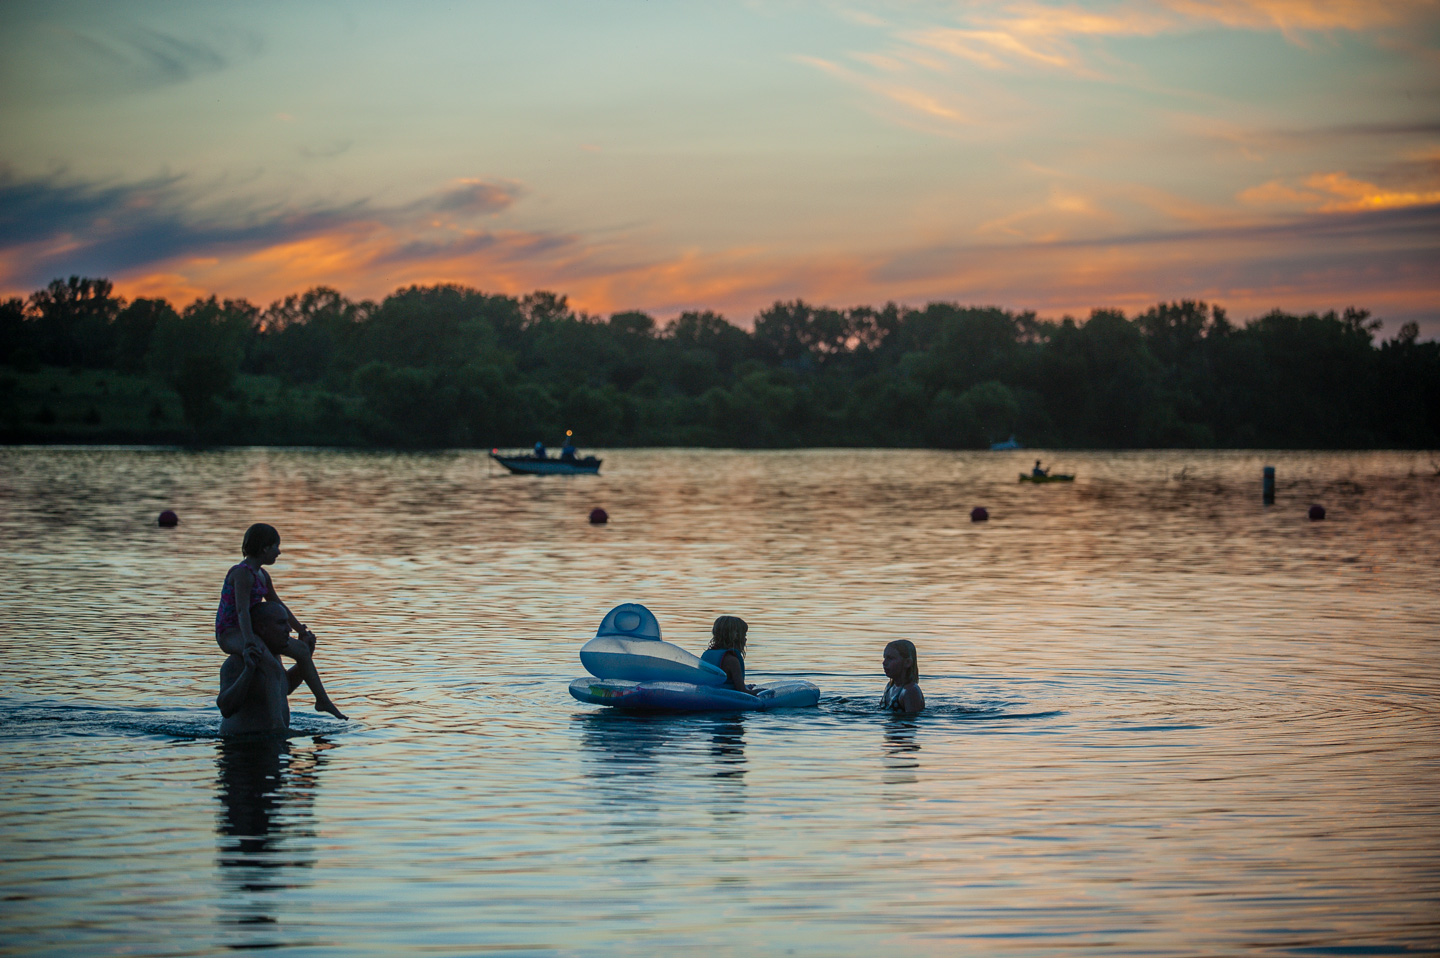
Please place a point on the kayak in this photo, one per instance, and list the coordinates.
(631, 667)
(689, 697)
(1027, 477)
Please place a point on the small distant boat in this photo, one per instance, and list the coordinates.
(1007, 444)
(531, 465)
(1028, 477)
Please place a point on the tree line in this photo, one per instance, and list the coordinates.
(449, 366)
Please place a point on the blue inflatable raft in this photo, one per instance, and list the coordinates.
(633, 668)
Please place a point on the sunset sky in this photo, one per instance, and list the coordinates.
(663, 156)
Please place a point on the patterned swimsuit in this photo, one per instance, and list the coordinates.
(228, 617)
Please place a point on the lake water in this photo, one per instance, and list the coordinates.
(1164, 719)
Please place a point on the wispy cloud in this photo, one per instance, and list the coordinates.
(52, 225)
(327, 150)
(1382, 259)
(1045, 33)
(1034, 36)
(472, 197)
(136, 57)
(1256, 142)
(1376, 257)
(922, 102)
(1292, 17)
(915, 67)
(1337, 193)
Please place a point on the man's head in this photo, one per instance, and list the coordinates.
(272, 624)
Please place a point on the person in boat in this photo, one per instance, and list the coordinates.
(567, 451)
(539, 450)
(727, 650)
(902, 668)
(254, 686)
(1039, 473)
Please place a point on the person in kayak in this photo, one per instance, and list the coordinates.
(1039, 473)
(727, 650)
(902, 668)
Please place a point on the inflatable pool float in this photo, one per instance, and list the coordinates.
(688, 697)
(633, 668)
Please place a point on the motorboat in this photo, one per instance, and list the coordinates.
(533, 465)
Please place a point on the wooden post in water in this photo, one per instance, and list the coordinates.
(1268, 487)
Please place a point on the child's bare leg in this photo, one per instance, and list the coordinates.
(231, 642)
(300, 652)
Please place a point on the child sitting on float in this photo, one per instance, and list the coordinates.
(727, 650)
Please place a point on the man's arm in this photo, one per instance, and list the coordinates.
(236, 677)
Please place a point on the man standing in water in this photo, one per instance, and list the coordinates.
(254, 686)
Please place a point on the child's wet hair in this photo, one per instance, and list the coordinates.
(912, 673)
(728, 632)
(258, 538)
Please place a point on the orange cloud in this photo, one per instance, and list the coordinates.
(1041, 223)
(925, 104)
(1022, 35)
(918, 69)
(367, 258)
(1335, 193)
(1292, 16)
(994, 49)
(1356, 243)
(1247, 269)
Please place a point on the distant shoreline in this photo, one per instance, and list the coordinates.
(449, 367)
(1043, 451)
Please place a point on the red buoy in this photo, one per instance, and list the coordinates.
(1317, 512)
(979, 514)
(599, 516)
(168, 519)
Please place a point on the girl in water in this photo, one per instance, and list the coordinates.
(902, 668)
(247, 584)
(727, 650)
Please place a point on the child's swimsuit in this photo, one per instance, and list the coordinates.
(893, 698)
(228, 617)
(716, 657)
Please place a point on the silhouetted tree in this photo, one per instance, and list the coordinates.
(448, 365)
(73, 322)
(17, 336)
(133, 329)
(198, 353)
